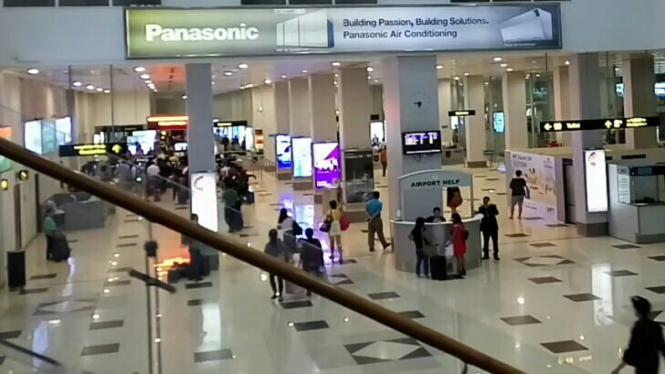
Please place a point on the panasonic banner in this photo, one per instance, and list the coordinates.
(167, 33)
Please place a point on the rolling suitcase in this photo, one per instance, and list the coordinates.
(183, 196)
(438, 267)
(60, 250)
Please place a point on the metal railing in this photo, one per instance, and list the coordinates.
(274, 266)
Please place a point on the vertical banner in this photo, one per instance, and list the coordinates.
(538, 171)
(595, 179)
(283, 151)
(301, 149)
(327, 171)
(204, 199)
(358, 174)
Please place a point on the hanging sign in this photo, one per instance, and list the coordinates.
(599, 124)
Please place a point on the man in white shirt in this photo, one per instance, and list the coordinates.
(153, 170)
(153, 182)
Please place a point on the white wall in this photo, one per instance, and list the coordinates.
(129, 108)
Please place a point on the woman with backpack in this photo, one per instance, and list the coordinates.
(332, 223)
(458, 238)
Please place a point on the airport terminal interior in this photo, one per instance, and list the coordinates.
(515, 147)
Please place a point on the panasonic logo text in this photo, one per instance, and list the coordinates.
(155, 32)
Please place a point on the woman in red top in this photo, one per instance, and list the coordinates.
(458, 238)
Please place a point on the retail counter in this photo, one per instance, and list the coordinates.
(438, 234)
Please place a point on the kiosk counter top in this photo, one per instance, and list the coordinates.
(437, 234)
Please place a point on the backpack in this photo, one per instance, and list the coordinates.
(297, 230)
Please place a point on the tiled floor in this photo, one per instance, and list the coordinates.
(555, 303)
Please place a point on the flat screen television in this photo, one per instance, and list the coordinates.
(421, 142)
(499, 122)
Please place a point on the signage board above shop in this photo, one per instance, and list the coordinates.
(599, 124)
(462, 113)
(169, 33)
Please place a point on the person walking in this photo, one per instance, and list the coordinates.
(50, 231)
(518, 190)
(276, 248)
(458, 239)
(374, 221)
(231, 200)
(646, 341)
(383, 157)
(335, 229)
(419, 238)
(311, 257)
(489, 226)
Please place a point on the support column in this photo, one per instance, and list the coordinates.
(410, 92)
(323, 120)
(476, 142)
(355, 102)
(299, 121)
(585, 103)
(514, 107)
(562, 102)
(445, 105)
(201, 153)
(282, 123)
(639, 79)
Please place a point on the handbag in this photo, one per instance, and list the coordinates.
(325, 226)
(450, 250)
(344, 222)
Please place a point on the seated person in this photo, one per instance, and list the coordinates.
(436, 216)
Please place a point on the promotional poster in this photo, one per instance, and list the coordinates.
(359, 174)
(204, 191)
(302, 157)
(283, 151)
(595, 176)
(377, 133)
(538, 171)
(152, 33)
(32, 136)
(327, 172)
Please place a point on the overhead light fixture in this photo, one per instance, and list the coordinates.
(370, 69)
(487, 83)
(99, 89)
(509, 69)
(504, 65)
(145, 76)
(213, 83)
(107, 91)
(139, 69)
(497, 59)
(77, 84)
(148, 81)
(537, 75)
(242, 87)
(456, 78)
(335, 63)
(466, 74)
(304, 71)
(567, 62)
(184, 97)
(90, 87)
(439, 67)
(336, 75)
(376, 81)
(369, 77)
(228, 73)
(243, 66)
(283, 76)
(32, 71)
(267, 81)
(335, 83)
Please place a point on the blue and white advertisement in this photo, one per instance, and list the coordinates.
(283, 151)
(302, 157)
(153, 33)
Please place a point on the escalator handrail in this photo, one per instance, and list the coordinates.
(256, 258)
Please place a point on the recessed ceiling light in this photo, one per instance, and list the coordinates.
(369, 77)
(184, 97)
(107, 91)
(139, 69)
(283, 76)
(32, 71)
(267, 81)
(509, 69)
(370, 69)
(77, 84)
(335, 83)
(243, 66)
(497, 59)
(336, 75)
(249, 85)
(99, 89)
(335, 63)
(537, 75)
(304, 71)
(439, 67)
(487, 83)
(90, 87)
(466, 74)
(376, 81)
(148, 81)
(567, 62)
(145, 76)
(242, 87)
(504, 65)
(228, 73)
(456, 78)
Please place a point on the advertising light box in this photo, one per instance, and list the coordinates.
(204, 199)
(327, 160)
(168, 33)
(595, 177)
(283, 151)
(302, 157)
(377, 132)
(32, 136)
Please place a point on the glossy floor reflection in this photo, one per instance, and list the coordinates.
(555, 303)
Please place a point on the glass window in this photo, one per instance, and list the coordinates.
(22, 3)
(351, 2)
(84, 2)
(263, 2)
(136, 2)
(310, 2)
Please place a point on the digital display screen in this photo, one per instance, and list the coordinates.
(180, 147)
(49, 139)
(302, 157)
(32, 136)
(377, 133)
(63, 126)
(499, 122)
(144, 141)
(283, 151)
(326, 165)
(421, 142)
(5, 163)
(595, 177)
(659, 89)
